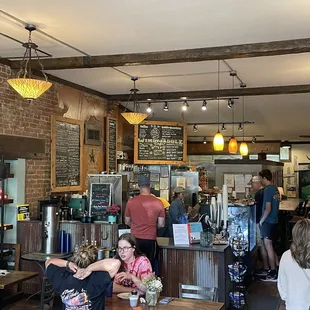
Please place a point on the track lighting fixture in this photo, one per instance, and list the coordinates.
(204, 105)
(223, 127)
(254, 139)
(185, 106)
(195, 128)
(230, 103)
(233, 73)
(149, 108)
(240, 128)
(166, 108)
(205, 140)
(242, 85)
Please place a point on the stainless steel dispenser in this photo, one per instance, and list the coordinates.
(50, 228)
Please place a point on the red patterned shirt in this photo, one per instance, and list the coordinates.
(140, 267)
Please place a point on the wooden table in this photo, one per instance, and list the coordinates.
(289, 205)
(15, 277)
(114, 303)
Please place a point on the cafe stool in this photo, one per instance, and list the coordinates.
(46, 299)
(197, 292)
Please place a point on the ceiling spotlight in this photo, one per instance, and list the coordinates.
(233, 73)
(195, 128)
(242, 85)
(185, 106)
(166, 108)
(254, 139)
(240, 127)
(204, 140)
(149, 108)
(204, 105)
(223, 127)
(230, 103)
(149, 99)
(183, 98)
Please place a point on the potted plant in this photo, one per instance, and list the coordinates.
(153, 286)
(113, 212)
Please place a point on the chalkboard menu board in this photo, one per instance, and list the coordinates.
(160, 143)
(67, 142)
(100, 199)
(111, 145)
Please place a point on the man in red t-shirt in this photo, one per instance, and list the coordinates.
(144, 214)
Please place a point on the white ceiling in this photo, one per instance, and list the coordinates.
(110, 27)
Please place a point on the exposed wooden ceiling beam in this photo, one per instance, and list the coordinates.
(254, 91)
(179, 56)
(56, 79)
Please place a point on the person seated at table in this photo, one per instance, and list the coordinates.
(83, 281)
(294, 272)
(134, 266)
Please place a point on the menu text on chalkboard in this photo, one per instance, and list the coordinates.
(111, 145)
(100, 199)
(160, 143)
(67, 135)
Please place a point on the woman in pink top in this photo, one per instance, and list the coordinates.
(134, 266)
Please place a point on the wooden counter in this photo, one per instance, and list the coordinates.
(29, 236)
(195, 265)
(289, 205)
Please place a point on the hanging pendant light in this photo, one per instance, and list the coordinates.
(24, 85)
(218, 140)
(135, 117)
(244, 151)
(233, 144)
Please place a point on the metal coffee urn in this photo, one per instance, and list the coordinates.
(50, 228)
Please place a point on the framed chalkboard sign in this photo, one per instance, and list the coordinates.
(160, 143)
(100, 199)
(66, 154)
(111, 145)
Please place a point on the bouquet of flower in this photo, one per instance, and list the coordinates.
(113, 210)
(153, 283)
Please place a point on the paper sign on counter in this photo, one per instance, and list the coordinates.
(180, 234)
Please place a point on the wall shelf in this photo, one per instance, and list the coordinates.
(7, 226)
(7, 201)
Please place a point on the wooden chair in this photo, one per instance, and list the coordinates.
(46, 299)
(197, 292)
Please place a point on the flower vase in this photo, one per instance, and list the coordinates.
(151, 297)
(112, 219)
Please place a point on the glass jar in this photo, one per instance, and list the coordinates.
(151, 297)
(206, 239)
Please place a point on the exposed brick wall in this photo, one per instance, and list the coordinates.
(31, 119)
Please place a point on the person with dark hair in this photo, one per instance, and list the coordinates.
(269, 221)
(176, 210)
(83, 281)
(144, 214)
(256, 183)
(134, 266)
(294, 271)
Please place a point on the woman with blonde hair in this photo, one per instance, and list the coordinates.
(83, 281)
(294, 272)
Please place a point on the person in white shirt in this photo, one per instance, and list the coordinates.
(294, 271)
